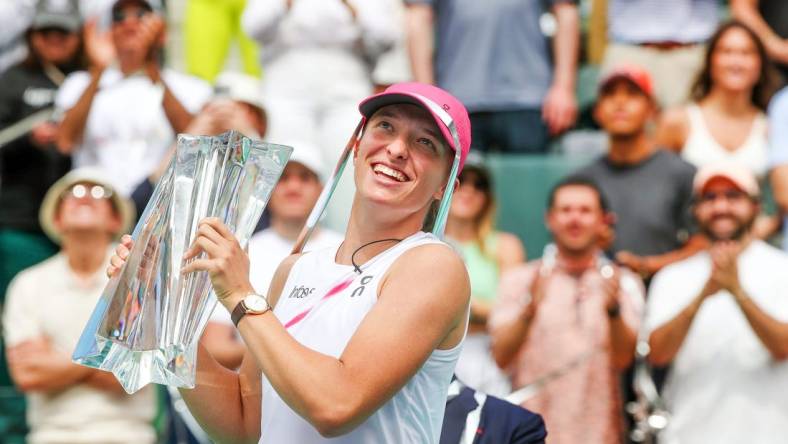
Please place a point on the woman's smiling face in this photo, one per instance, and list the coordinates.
(401, 159)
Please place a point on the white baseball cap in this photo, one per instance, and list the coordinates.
(742, 177)
(239, 87)
(309, 156)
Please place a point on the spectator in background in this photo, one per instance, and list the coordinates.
(487, 253)
(48, 306)
(122, 114)
(567, 323)
(15, 18)
(314, 53)
(650, 189)
(472, 416)
(291, 202)
(289, 207)
(209, 28)
(494, 57)
(720, 318)
(29, 161)
(769, 19)
(726, 121)
(236, 105)
(778, 141)
(318, 56)
(666, 37)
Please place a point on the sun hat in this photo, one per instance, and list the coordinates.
(46, 214)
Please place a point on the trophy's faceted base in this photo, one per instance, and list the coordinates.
(135, 369)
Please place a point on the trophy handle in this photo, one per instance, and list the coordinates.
(328, 191)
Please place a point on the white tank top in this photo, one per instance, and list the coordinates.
(415, 413)
(702, 149)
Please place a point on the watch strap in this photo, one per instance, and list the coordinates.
(238, 312)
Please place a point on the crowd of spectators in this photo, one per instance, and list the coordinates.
(670, 237)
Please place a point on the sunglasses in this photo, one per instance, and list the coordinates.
(729, 195)
(80, 191)
(120, 15)
(478, 183)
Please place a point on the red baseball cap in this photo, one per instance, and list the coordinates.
(740, 176)
(634, 73)
(428, 97)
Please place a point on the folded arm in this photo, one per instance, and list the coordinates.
(37, 367)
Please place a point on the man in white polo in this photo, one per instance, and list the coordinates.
(720, 318)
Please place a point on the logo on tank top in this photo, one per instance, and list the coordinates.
(358, 291)
(301, 292)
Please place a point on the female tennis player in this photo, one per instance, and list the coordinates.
(363, 338)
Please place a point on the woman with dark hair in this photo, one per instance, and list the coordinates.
(29, 162)
(486, 253)
(725, 122)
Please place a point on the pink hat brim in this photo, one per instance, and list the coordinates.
(373, 103)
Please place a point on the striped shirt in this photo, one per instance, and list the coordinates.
(650, 21)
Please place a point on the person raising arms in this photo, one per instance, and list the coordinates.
(363, 338)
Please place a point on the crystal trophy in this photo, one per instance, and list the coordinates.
(147, 323)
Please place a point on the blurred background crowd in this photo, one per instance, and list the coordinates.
(621, 214)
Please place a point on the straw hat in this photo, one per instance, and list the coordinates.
(46, 214)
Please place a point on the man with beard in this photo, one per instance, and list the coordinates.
(568, 322)
(720, 318)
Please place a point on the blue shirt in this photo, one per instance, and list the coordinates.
(650, 21)
(778, 139)
(491, 54)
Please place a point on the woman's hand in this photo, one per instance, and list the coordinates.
(225, 261)
(121, 254)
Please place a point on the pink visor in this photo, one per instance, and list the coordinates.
(446, 109)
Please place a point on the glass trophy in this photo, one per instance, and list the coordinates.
(148, 321)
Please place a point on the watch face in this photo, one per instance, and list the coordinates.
(255, 303)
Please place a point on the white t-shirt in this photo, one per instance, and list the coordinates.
(724, 387)
(49, 300)
(267, 250)
(338, 300)
(127, 133)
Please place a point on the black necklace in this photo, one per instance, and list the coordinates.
(356, 268)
